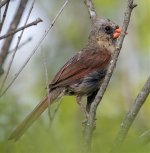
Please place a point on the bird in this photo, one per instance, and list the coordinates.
(82, 75)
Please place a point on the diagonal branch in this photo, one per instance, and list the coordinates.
(14, 53)
(38, 20)
(88, 131)
(21, 45)
(47, 84)
(36, 47)
(4, 15)
(13, 26)
(3, 3)
(131, 115)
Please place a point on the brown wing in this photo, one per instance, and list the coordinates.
(80, 65)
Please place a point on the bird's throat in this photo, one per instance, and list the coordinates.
(109, 45)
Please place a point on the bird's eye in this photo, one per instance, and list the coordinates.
(108, 30)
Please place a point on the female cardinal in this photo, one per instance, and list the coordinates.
(82, 74)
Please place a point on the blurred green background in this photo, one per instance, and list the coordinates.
(68, 36)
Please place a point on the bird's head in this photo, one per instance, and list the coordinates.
(104, 31)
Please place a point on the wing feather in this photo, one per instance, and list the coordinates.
(81, 65)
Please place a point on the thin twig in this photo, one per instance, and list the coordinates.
(4, 15)
(88, 132)
(14, 53)
(21, 45)
(47, 84)
(144, 138)
(91, 9)
(51, 116)
(36, 47)
(13, 25)
(38, 20)
(3, 3)
(131, 115)
(0, 13)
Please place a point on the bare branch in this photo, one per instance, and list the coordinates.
(131, 115)
(88, 132)
(13, 26)
(38, 20)
(4, 15)
(4, 2)
(21, 45)
(144, 138)
(91, 9)
(47, 84)
(14, 53)
(51, 116)
(36, 47)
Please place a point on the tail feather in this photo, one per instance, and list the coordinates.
(39, 109)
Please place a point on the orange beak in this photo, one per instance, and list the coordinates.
(117, 33)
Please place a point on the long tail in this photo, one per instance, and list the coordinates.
(39, 109)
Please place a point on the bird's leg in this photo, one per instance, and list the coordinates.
(90, 99)
(83, 109)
